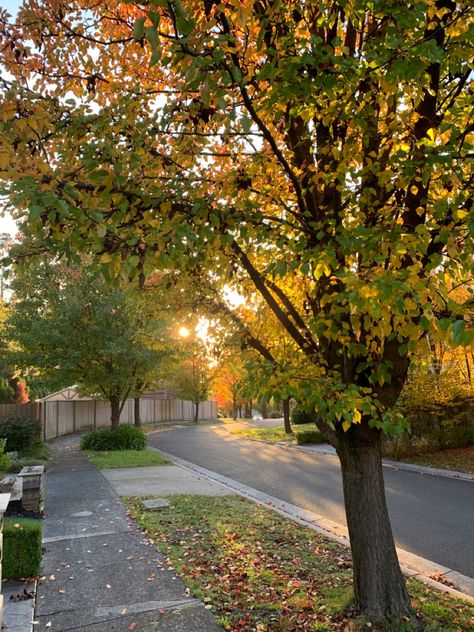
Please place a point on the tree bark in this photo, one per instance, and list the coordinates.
(115, 411)
(286, 416)
(136, 412)
(379, 586)
(196, 412)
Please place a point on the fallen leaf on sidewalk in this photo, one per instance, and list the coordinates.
(132, 626)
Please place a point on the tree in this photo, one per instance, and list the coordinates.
(75, 329)
(312, 152)
(230, 383)
(12, 387)
(191, 379)
(7, 394)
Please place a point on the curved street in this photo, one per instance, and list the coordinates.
(431, 516)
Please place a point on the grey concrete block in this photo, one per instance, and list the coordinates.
(156, 504)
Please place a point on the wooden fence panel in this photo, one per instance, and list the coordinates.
(65, 412)
(65, 417)
(30, 410)
(50, 420)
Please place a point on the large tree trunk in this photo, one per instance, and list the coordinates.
(196, 412)
(379, 586)
(136, 412)
(115, 411)
(286, 416)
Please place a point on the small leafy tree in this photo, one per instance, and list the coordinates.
(192, 379)
(76, 329)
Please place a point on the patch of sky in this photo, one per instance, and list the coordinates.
(11, 6)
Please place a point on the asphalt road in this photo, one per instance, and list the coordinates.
(431, 516)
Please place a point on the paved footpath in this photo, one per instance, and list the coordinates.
(101, 574)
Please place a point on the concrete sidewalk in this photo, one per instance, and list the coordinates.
(101, 574)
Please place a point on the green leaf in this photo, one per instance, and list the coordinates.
(154, 18)
(459, 332)
(151, 36)
(139, 29)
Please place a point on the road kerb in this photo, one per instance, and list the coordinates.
(390, 463)
(426, 571)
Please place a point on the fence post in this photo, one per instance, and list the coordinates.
(57, 419)
(74, 416)
(4, 500)
(95, 414)
(42, 417)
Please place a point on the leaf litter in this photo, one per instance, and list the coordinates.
(261, 572)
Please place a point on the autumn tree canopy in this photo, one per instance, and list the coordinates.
(313, 152)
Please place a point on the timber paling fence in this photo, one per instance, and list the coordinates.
(59, 418)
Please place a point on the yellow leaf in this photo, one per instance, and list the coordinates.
(346, 425)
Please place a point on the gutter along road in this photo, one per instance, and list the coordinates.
(431, 516)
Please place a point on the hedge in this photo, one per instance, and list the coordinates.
(21, 547)
(299, 416)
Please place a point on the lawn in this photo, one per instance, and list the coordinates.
(127, 458)
(459, 459)
(259, 571)
(303, 433)
(165, 426)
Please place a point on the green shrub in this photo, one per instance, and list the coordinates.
(299, 416)
(7, 394)
(309, 436)
(275, 415)
(123, 438)
(5, 459)
(36, 454)
(20, 432)
(21, 547)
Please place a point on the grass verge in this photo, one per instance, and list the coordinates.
(170, 424)
(127, 458)
(259, 571)
(458, 459)
(304, 433)
(21, 547)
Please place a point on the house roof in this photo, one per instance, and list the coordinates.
(67, 394)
